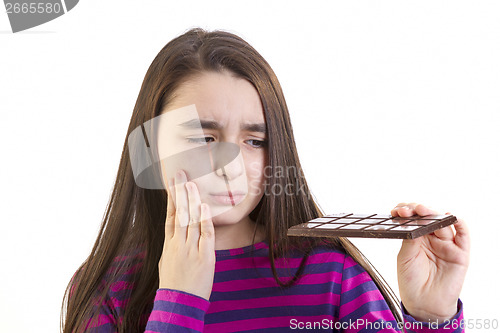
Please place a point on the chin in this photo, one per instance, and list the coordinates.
(231, 216)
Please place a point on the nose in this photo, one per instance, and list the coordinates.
(233, 169)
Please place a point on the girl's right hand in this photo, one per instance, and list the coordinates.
(187, 262)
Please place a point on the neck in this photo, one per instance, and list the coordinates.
(231, 236)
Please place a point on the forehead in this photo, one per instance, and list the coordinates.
(220, 96)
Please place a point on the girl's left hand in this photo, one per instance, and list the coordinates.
(431, 268)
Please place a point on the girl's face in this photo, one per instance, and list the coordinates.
(214, 108)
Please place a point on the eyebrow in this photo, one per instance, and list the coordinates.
(213, 125)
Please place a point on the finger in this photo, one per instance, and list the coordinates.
(410, 248)
(182, 212)
(462, 238)
(170, 216)
(193, 232)
(164, 176)
(207, 232)
(445, 234)
(422, 210)
(394, 211)
(404, 210)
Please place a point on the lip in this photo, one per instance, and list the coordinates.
(227, 193)
(223, 198)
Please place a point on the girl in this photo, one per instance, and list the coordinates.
(210, 253)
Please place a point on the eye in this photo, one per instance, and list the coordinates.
(205, 139)
(257, 143)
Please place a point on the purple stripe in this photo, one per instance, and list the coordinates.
(369, 296)
(265, 312)
(252, 273)
(355, 281)
(311, 289)
(377, 316)
(101, 320)
(426, 329)
(159, 327)
(352, 271)
(263, 262)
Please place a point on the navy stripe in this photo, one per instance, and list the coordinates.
(268, 312)
(355, 292)
(306, 289)
(181, 309)
(109, 327)
(165, 327)
(365, 308)
(352, 271)
(266, 272)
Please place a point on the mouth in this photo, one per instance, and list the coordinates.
(228, 197)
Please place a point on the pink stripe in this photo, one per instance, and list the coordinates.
(182, 298)
(260, 245)
(263, 262)
(234, 252)
(355, 281)
(262, 323)
(246, 284)
(121, 285)
(275, 301)
(369, 296)
(177, 319)
(118, 303)
(120, 258)
(349, 262)
(110, 302)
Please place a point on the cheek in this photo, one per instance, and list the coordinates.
(256, 173)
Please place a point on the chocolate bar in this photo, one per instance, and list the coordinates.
(371, 226)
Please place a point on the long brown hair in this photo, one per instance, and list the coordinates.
(133, 226)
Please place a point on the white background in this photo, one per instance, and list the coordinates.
(390, 101)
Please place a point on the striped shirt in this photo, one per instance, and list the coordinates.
(334, 294)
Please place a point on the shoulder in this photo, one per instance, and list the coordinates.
(323, 260)
(325, 252)
(115, 286)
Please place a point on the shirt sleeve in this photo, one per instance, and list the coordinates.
(454, 324)
(364, 309)
(173, 311)
(177, 311)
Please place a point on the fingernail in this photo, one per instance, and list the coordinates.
(189, 186)
(178, 175)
